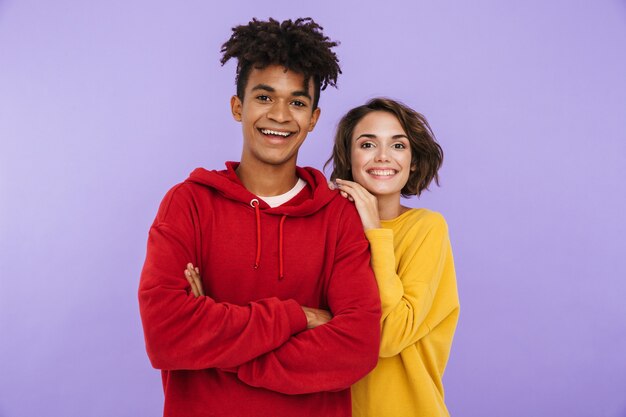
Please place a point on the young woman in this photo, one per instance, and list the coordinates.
(384, 150)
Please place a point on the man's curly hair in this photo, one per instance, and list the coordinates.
(299, 46)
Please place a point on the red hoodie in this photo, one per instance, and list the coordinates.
(244, 349)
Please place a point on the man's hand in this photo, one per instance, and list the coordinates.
(316, 317)
(193, 277)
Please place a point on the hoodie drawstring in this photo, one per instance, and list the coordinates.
(255, 203)
(280, 247)
(257, 262)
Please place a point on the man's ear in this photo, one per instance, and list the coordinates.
(235, 108)
(314, 117)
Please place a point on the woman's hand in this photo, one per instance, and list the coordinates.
(193, 277)
(366, 204)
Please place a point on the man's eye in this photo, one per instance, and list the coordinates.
(298, 103)
(262, 98)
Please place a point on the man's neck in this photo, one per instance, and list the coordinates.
(267, 180)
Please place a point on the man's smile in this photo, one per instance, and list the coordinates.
(270, 132)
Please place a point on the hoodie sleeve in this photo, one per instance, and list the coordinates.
(333, 356)
(184, 332)
(407, 294)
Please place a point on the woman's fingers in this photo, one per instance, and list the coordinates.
(346, 183)
(348, 189)
(351, 185)
(366, 203)
(355, 190)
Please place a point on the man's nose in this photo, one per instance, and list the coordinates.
(279, 112)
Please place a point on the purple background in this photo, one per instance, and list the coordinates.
(105, 105)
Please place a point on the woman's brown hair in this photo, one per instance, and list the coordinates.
(426, 154)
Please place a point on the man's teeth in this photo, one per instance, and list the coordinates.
(382, 172)
(275, 133)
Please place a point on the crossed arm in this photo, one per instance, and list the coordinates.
(271, 343)
(314, 316)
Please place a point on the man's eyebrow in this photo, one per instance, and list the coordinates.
(301, 93)
(270, 89)
(264, 87)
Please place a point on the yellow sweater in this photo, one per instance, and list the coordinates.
(412, 260)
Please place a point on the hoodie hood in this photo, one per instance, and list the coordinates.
(227, 183)
(315, 196)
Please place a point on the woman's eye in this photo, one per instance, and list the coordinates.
(367, 145)
(399, 146)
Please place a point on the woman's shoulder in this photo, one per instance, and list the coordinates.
(418, 226)
(422, 218)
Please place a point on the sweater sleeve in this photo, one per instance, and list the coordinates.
(333, 356)
(184, 332)
(407, 294)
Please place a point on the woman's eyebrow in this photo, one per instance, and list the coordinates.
(373, 136)
(366, 135)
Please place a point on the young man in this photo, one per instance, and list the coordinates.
(276, 249)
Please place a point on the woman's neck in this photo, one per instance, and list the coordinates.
(389, 207)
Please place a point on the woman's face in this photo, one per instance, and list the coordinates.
(380, 154)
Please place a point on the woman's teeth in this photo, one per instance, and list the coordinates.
(382, 172)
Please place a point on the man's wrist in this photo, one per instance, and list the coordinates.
(296, 315)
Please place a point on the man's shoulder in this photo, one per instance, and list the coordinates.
(345, 217)
(341, 204)
(184, 196)
(185, 190)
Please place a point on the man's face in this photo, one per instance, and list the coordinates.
(276, 115)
